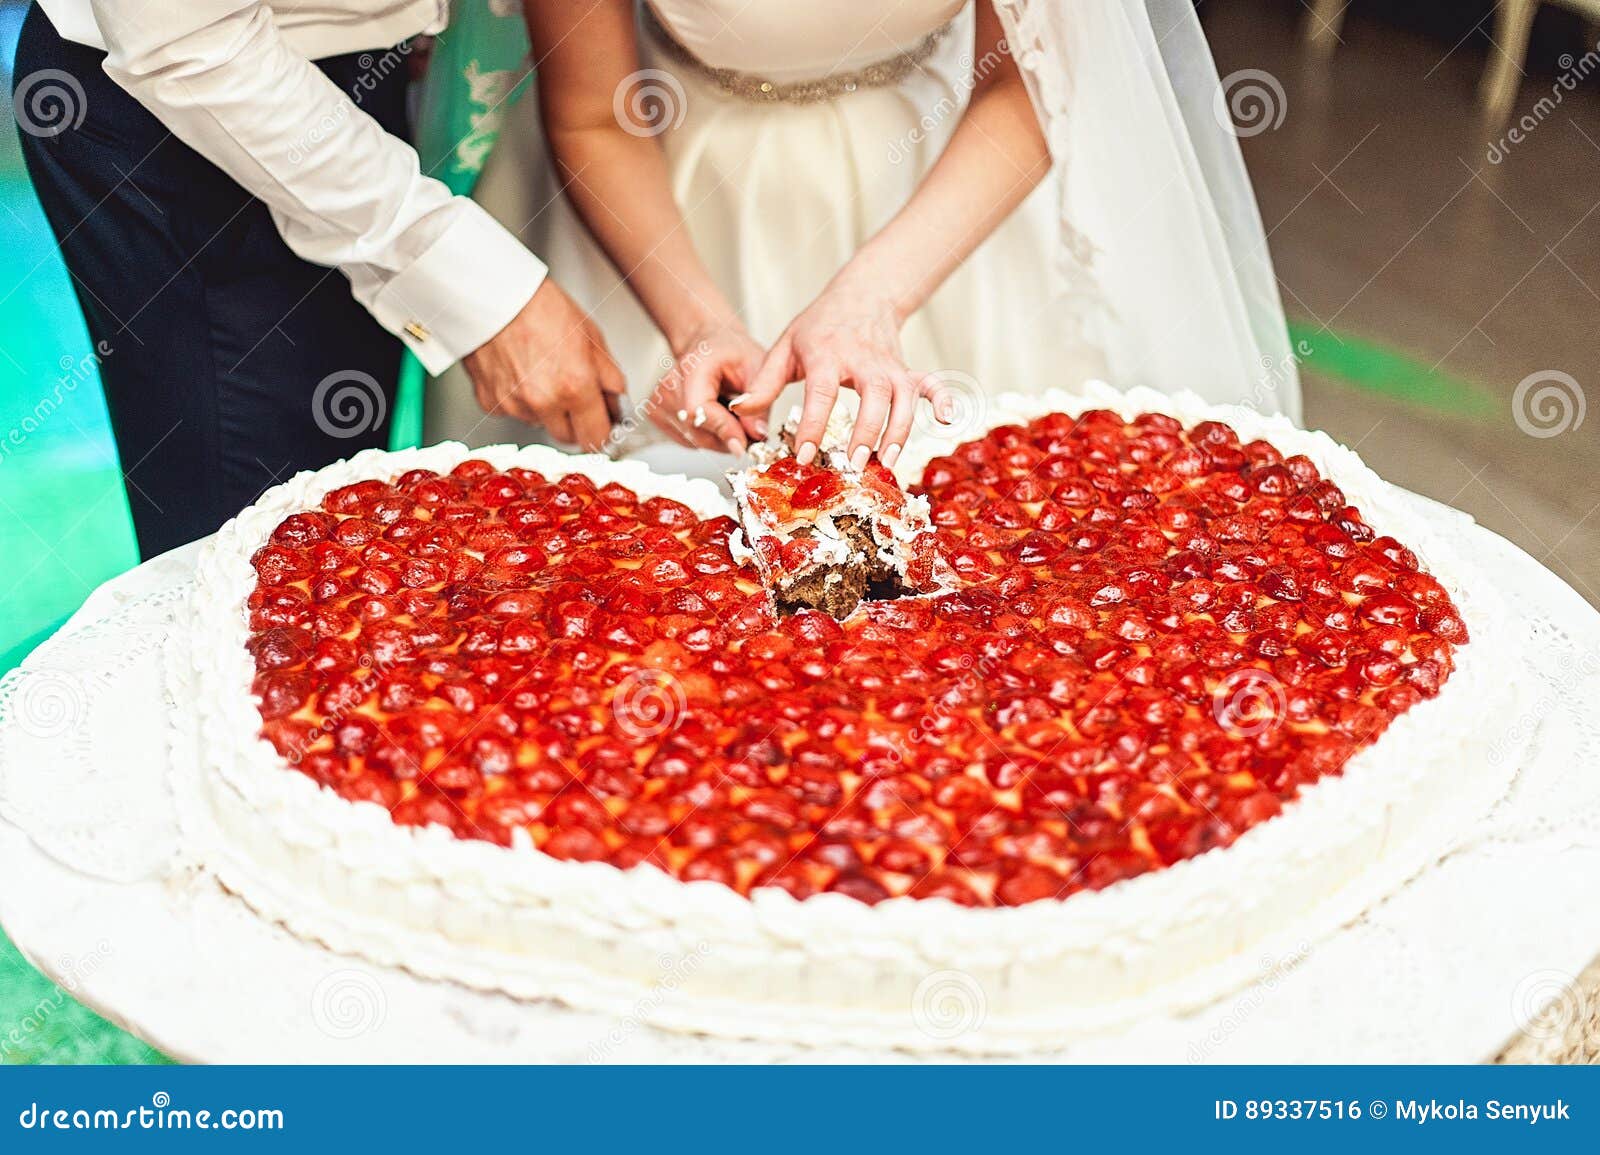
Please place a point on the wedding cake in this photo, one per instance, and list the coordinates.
(1072, 720)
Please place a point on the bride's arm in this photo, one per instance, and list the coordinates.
(612, 169)
(849, 336)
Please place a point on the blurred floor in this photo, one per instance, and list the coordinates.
(1392, 225)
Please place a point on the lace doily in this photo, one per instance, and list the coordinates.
(75, 767)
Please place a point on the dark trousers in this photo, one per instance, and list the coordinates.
(213, 337)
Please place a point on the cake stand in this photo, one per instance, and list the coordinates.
(1486, 953)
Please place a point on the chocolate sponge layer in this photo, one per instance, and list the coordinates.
(838, 589)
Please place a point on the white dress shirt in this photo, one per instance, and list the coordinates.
(233, 80)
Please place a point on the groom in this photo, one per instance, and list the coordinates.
(204, 179)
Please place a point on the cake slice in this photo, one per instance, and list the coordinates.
(827, 537)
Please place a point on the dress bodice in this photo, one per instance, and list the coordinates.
(801, 39)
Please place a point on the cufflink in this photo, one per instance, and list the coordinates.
(416, 330)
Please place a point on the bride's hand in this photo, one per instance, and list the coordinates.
(710, 365)
(849, 337)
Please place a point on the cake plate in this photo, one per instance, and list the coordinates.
(1486, 953)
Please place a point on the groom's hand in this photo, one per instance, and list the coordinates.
(550, 367)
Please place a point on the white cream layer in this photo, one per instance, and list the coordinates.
(829, 969)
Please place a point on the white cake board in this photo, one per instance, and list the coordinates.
(1450, 969)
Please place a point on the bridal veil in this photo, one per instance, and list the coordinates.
(1161, 240)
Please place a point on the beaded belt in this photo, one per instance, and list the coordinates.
(747, 86)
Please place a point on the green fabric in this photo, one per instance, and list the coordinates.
(64, 529)
(477, 70)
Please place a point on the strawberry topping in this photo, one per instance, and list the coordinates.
(1160, 637)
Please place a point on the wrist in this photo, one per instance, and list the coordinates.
(873, 291)
(687, 325)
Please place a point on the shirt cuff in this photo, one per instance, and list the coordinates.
(462, 290)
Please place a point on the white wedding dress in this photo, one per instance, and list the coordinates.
(1126, 264)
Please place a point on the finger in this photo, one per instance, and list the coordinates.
(714, 420)
(557, 424)
(777, 370)
(876, 397)
(591, 421)
(667, 421)
(679, 423)
(486, 398)
(941, 396)
(492, 403)
(612, 382)
(822, 390)
(702, 439)
(707, 413)
(901, 415)
(517, 407)
(610, 375)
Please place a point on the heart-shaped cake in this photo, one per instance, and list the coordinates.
(536, 721)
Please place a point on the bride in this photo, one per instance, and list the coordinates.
(934, 199)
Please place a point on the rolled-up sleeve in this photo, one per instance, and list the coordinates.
(433, 268)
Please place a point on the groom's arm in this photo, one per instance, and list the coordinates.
(433, 268)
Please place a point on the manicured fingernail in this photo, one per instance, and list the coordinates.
(807, 450)
(858, 459)
(699, 416)
(760, 427)
(735, 402)
(733, 446)
(889, 455)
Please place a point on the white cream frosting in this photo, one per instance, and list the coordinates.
(894, 535)
(829, 969)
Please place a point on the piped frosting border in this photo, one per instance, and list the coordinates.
(829, 969)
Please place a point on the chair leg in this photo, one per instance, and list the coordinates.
(1513, 22)
(1321, 25)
